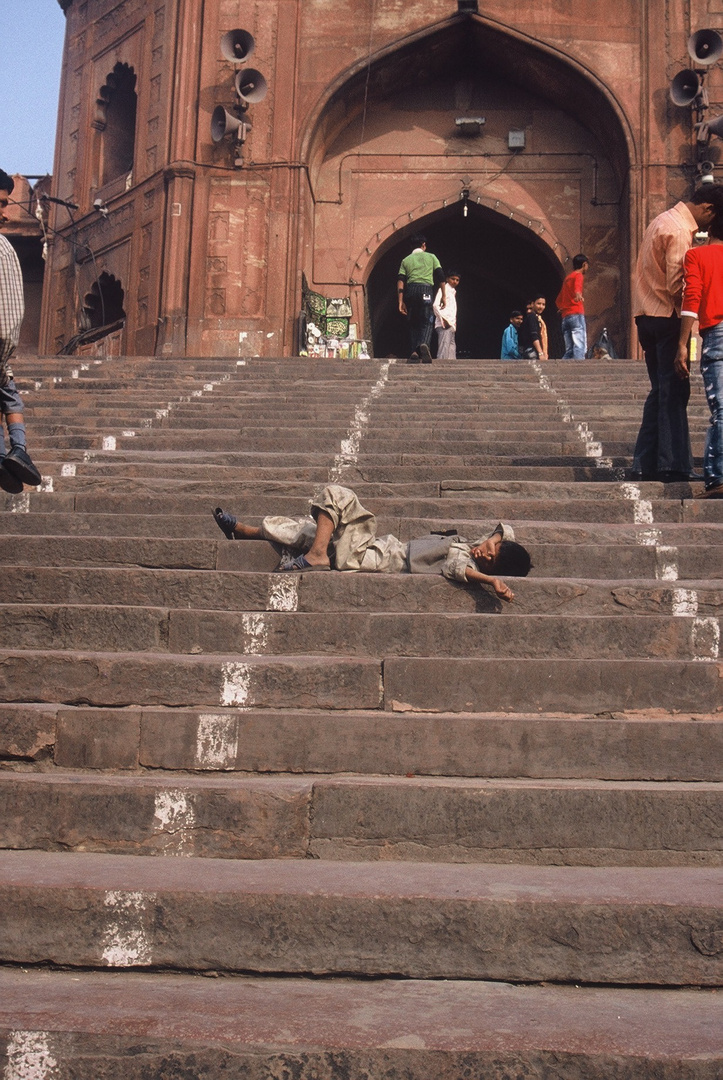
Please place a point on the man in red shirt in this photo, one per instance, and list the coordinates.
(703, 300)
(570, 304)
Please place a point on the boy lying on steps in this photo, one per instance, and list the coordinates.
(338, 519)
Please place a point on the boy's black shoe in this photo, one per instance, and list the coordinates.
(226, 522)
(19, 463)
(8, 482)
(425, 354)
(414, 358)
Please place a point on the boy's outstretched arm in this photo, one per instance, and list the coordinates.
(503, 591)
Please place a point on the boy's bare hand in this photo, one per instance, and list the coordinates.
(503, 591)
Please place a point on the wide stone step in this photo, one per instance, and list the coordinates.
(541, 822)
(621, 925)
(132, 1025)
(179, 630)
(422, 684)
(117, 678)
(249, 591)
(676, 508)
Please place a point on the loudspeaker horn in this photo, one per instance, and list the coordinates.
(225, 123)
(685, 87)
(715, 126)
(251, 86)
(705, 46)
(237, 46)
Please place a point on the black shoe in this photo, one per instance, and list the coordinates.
(20, 464)
(641, 476)
(226, 522)
(414, 358)
(8, 482)
(425, 354)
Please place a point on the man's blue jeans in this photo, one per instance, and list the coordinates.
(574, 331)
(711, 368)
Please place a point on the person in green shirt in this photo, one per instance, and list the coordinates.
(419, 275)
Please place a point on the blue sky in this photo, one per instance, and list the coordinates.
(31, 46)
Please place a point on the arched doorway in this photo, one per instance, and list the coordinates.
(544, 143)
(501, 264)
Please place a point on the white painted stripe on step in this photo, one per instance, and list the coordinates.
(85, 367)
(705, 631)
(161, 414)
(74, 373)
(126, 942)
(38, 384)
(216, 741)
(67, 470)
(89, 455)
(706, 638)
(236, 685)
(642, 508)
(592, 446)
(208, 386)
(256, 633)
(349, 450)
(46, 483)
(20, 504)
(685, 602)
(283, 593)
(128, 434)
(666, 563)
(109, 442)
(29, 1056)
(175, 817)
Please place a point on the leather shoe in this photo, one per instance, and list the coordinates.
(424, 354)
(673, 477)
(414, 358)
(8, 482)
(711, 493)
(20, 464)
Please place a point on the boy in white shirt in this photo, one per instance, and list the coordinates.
(445, 318)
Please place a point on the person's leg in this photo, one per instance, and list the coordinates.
(674, 454)
(645, 455)
(711, 368)
(318, 553)
(17, 461)
(578, 337)
(567, 337)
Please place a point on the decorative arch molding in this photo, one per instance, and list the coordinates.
(581, 91)
(543, 234)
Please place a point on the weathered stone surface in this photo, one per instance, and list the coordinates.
(103, 679)
(560, 924)
(571, 822)
(130, 1026)
(27, 731)
(147, 815)
(624, 747)
(462, 685)
(98, 739)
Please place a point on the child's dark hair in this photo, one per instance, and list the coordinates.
(579, 261)
(715, 228)
(515, 314)
(513, 560)
(6, 182)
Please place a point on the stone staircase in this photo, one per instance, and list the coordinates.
(407, 835)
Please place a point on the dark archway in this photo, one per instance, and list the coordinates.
(502, 265)
(103, 305)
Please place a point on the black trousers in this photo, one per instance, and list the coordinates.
(418, 300)
(663, 443)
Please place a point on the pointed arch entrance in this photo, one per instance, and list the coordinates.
(501, 264)
(550, 149)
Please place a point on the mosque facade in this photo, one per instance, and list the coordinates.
(245, 168)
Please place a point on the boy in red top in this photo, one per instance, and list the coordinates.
(703, 300)
(570, 304)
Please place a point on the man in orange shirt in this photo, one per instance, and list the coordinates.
(662, 450)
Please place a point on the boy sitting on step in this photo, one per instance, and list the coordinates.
(338, 519)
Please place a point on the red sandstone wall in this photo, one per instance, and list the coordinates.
(213, 256)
